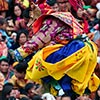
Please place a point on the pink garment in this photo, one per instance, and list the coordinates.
(18, 18)
(3, 49)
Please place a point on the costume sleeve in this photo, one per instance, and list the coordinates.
(38, 41)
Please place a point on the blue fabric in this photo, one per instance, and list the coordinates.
(64, 83)
(9, 40)
(62, 53)
(65, 51)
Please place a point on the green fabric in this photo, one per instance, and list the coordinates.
(51, 2)
(3, 57)
(86, 7)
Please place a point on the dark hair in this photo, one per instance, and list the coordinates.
(2, 20)
(14, 16)
(26, 13)
(21, 67)
(87, 2)
(29, 86)
(51, 2)
(24, 98)
(37, 97)
(11, 98)
(4, 59)
(65, 95)
(23, 30)
(7, 88)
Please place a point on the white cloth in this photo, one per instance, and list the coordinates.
(48, 96)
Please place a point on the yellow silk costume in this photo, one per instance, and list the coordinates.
(79, 66)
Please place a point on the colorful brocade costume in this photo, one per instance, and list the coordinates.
(56, 27)
(69, 62)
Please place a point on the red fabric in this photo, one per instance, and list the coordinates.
(76, 4)
(40, 2)
(45, 8)
(37, 24)
(86, 29)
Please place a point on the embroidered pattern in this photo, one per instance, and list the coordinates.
(39, 66)
(79, 55)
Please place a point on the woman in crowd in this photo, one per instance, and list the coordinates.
(21, 38)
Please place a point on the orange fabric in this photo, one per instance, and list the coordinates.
(37, 24)
(3, 5)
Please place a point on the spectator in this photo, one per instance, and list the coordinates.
(37, 97)
(21, 38)
(7, 88)
(64, 5)
(4, 66)
(3, 31)
(18, 79)
(30, 90)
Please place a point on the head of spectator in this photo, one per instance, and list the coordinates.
(64, 5)
(37, 97)
(15, 93)
(26, 15)
(53, 4)
(20, 70)
(7, 88)
(65, 97)
(92, 13)
(30, 90)
(17, 12)
(87, 2)
(4, 65)
(94, 2)
(2, 23)
(22, 36)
